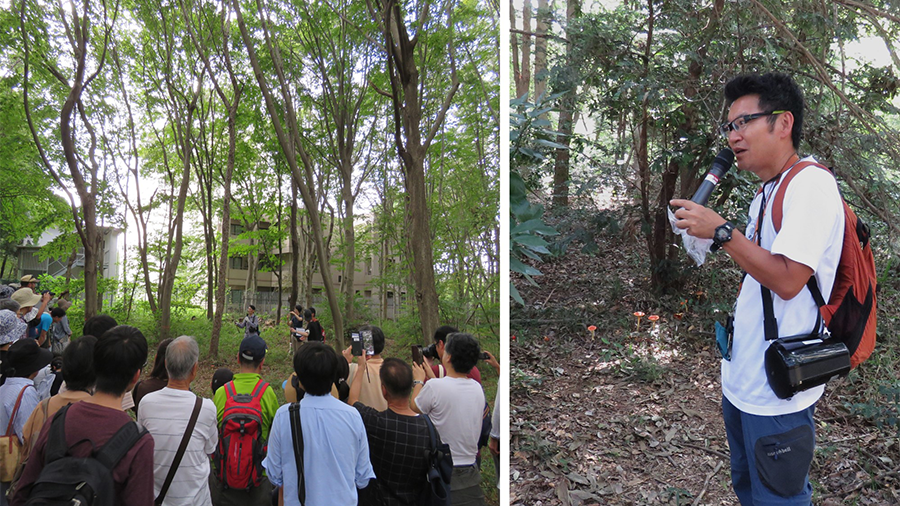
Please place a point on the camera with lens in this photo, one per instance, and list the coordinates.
(430, 351)
(48, 291)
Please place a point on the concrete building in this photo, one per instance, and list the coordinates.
(388, 304)
(30, 263)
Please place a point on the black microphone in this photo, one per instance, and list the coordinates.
(720, 166)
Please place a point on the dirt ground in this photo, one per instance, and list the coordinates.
(634, 415)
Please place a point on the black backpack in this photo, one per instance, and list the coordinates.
(68, 480)
(440, 469)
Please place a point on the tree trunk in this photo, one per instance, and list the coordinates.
(226, 229)
(540, 50)
(292, 145)
(412, 149)
(566, 126)
(252, 268)
(349, 249)
(167, 278)
(521, 68)
(295, 248)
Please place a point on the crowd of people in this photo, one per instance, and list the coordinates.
(355, 428)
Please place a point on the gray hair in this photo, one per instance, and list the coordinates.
(10, 304)
(181, 355)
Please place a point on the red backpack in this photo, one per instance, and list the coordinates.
(241, 449)
(849, 313)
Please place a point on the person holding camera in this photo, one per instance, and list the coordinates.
(368, 372)
(434, 354)
(298, 333)
(771, 439)
(456, 405)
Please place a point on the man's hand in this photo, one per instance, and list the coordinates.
(493, 362)
(696, 220)
(348, 355)
(361, 360)
(494, 446)
(419, 373)
(45, 298)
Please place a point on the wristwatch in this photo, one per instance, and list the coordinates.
(417, 382)
(722, 235)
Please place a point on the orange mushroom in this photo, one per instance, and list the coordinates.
(653, 317)
(592, 328)
(639, 314)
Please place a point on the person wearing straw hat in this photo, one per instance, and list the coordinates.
(23, 361)
(29, 281)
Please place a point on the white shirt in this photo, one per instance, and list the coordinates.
(165, 413)
(455, 405)
(811, 234)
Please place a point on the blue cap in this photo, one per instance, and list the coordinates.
(253, 348)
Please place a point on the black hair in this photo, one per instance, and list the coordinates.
(220, 377)
(299, 308)
(776, 92)
(316, 366)
(340, 379)
(443, 331)
(464, 351)
(396, 376)
(313, 311)
(252, 307)
(307, 315)
(118, 355)
(98, 325)
(377, 337)
(57, 312)
(78, 364)
(159, 363)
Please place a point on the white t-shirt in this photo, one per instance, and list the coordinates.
(165, 413)
(811, 234)
(455, 406)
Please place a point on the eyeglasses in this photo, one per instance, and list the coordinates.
(738, 123)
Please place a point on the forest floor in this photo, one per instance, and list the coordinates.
(633, 416)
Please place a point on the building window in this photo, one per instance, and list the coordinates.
(237, 229)
(239, 263)
(369, 266)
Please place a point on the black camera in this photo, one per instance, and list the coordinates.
(430, 352)
(48, 291)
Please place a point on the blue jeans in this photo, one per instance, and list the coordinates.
(770, 456)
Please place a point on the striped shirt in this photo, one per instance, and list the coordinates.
(9, 392)
(165, 413)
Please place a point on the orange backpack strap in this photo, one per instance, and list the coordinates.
(778, 203)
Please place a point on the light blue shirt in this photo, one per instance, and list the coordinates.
(9, 392)
(335, 452)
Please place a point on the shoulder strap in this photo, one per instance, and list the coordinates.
(259, 388)
(118, 445)
(56, 440)
(778, 203)
(185, 439)
(770, 323)
(12, 416)
(297, 436)
(431, 435)
(229, 389)
(45, 407)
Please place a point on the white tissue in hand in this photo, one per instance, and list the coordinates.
(696, 248)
